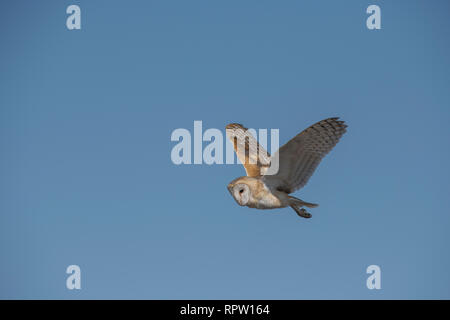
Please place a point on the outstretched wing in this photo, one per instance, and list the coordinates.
(249, 152)
(302, 154)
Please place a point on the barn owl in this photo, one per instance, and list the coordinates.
(297, 160)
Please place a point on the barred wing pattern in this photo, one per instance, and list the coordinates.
(299, 157)
(249, 152)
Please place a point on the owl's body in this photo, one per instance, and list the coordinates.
(262, 196)
(297, 161)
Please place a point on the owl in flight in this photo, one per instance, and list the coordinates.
(297, 161)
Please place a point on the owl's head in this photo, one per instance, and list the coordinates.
(240, 191)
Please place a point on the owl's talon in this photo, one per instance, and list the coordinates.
(304, 214)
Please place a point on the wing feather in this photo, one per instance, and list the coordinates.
(249, 152)
(299, 157)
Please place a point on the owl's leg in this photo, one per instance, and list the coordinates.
(301, 203)
(297, 205)
(301, 212)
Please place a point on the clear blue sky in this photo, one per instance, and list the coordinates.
(85, 170)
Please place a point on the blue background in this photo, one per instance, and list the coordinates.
(86, 175)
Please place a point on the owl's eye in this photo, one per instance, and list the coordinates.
(242, 190)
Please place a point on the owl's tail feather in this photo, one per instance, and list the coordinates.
(300, 203)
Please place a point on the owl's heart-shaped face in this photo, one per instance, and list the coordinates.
(240, 192)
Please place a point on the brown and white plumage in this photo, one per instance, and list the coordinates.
(250, 153)
(297, 159)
